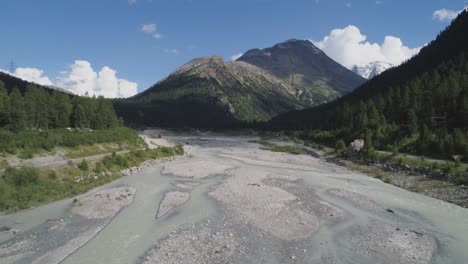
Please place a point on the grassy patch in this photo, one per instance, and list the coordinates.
(292, 149)
(96, 149)
(26, 143)
(374, 172)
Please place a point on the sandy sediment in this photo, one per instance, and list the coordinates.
(196, 169)
(105, 203)
(172, 200)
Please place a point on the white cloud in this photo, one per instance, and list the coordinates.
(82, 79)
(132, 2)
(33, 75)
(151, 29)
(348, 5)
(446, 14)
(349, 47)
(379, 2)
(172, 51)
(148, 28)
(236, 56)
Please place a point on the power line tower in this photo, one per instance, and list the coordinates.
(11, 67)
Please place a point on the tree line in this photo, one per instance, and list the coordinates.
(38, 108)
(427, 115)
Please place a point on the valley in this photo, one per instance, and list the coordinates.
(141, 132)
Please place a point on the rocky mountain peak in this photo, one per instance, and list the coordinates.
(299, 63)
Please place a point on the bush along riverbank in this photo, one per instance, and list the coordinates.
(26, 187)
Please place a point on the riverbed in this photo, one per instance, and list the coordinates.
(233, 202)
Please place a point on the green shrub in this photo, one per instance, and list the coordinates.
(99, 168)
(52, 175)
(179, 150)
(22, 176)
(84, 166)
(340, 148)
(461, 178)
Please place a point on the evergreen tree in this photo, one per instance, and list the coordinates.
(412, 122)
(4, 105)
(37, 107)
(80, 119)
(61, 109)
(17, 114)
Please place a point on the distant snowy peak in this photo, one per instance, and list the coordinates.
(372, 69)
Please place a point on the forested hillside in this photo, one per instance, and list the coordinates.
(419, 107)
(210, 93)
(33, 118)
(38, 107)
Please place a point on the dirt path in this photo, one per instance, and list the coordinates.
(235, 203)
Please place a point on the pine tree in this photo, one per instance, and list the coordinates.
(17, 114)
(37, 107)
(4, 105)
(412, 122)
(61, 109)
(80, 119)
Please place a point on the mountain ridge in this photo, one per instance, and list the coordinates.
(224, 93)
(315, 77)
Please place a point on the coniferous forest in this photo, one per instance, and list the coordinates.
(43, 109)
(35, 118)
(419, 107)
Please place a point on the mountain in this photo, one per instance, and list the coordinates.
(314, 77)
(420, 106)
(372, 69)
(208, 92)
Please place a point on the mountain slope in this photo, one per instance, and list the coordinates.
(208, 92)
(398, 106)
(314, 76)
(372, 69)
(11, 81)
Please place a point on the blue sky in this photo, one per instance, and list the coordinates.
(51, 35)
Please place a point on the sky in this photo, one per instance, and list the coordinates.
(117, 48)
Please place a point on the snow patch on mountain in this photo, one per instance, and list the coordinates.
(372, 69)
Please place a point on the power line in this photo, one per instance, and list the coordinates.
(11, 67)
